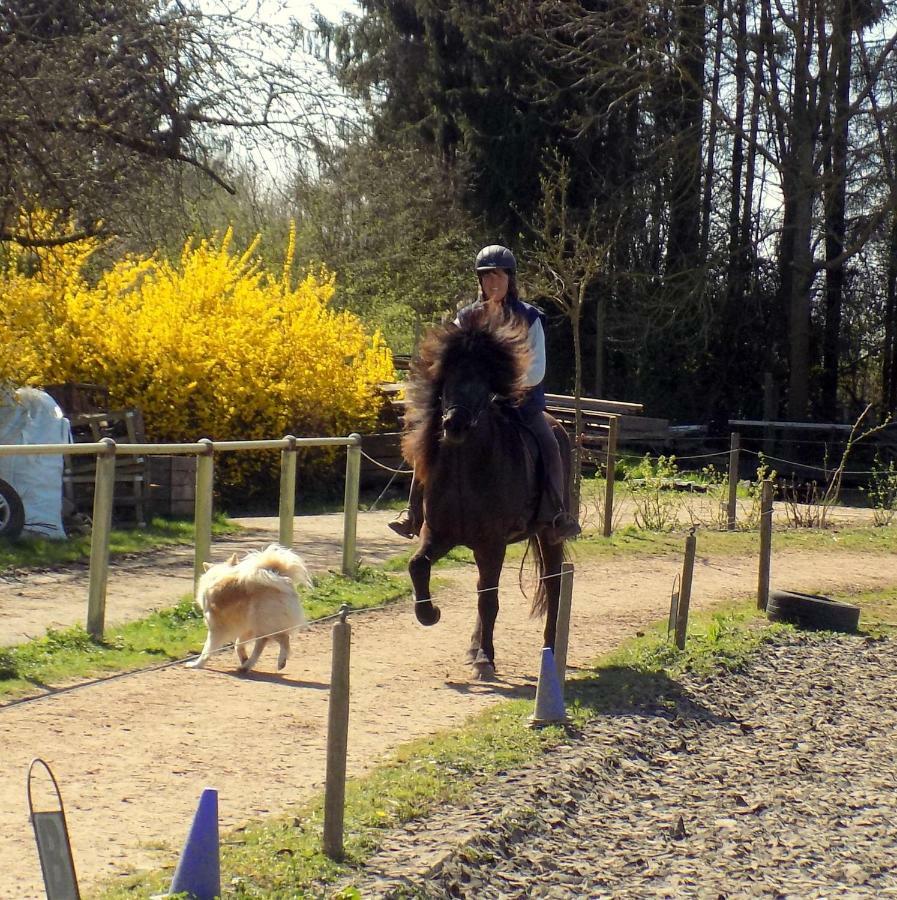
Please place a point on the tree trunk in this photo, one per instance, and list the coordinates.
(835, 210)
(683, 246)
(801, 278)
(798, 191)
(600, 343)
(889, 352)
(576, 479)
(712, 129)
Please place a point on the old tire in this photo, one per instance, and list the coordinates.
(812, 611)
(12, 512)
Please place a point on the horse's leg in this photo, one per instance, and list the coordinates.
(482, 649)
(552, 557)
(419, 567)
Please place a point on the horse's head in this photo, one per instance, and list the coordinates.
(485, 358)
(466, 393)
(458, 372)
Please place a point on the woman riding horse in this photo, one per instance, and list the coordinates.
(496, 270)
(475, 429)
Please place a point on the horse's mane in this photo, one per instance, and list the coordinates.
(499, 345)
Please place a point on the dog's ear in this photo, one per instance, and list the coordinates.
(233, 560)
(206, 566)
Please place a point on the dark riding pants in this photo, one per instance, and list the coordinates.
(551, 460)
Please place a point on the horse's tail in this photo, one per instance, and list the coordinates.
(540, 598)
(547, 570)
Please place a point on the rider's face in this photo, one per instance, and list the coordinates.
(495, 284)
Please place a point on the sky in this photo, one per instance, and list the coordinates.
(274, 162)
(330, 9)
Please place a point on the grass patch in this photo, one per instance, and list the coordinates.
(63, 656)
(629, 540)
(40, 552)
(878, 612)
(281, 857)
(456, 556)
(369, 588)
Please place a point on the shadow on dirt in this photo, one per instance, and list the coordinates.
(277, 678)
(498, 686)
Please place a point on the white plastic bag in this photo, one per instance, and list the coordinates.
(32, 416)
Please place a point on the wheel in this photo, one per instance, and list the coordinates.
(12, 512)
(812, 611)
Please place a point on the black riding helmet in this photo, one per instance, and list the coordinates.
(495, 257)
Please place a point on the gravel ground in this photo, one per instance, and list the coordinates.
(776, 781)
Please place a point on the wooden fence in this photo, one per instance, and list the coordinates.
(107, 451)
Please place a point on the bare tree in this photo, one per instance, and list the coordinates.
(99, 98)
(570, 254)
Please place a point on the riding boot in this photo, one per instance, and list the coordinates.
(409, 520)
(560, 523)
(563, 526)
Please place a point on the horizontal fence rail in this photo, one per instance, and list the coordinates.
(288, 443)
(204, 450)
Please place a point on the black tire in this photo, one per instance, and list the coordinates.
(812, 611)
(12, 512)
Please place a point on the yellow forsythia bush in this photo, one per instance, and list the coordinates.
(210, 346)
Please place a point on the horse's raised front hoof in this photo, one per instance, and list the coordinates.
(426, 613)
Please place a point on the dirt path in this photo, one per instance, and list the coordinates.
(31, 602)
(132, 754)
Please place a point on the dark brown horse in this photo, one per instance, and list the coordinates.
(479, 468)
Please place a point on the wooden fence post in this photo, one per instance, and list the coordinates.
(287, 507)
(734, 447)
(765, 544)
(337, 738)
(202, 515)
(562, 633)
(350, 506)
(99, 539)
(612, 435)
(688, 568)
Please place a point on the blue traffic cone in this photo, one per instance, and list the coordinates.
(549, 697)
(199, 873)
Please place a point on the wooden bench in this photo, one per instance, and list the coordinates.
(132, 472)
(633, 427)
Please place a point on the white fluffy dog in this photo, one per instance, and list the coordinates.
(253, 599)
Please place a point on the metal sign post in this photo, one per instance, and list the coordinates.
(53, 845)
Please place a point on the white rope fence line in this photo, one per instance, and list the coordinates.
(733, 572)
(761, 455)
(674, 456)
(180, 661)
(701, 455)
(225, 649)
(677, 458)
(487, 590)
(799, 465)
(380, 465)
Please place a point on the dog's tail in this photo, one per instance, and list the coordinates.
(281, 561)
(209, 579)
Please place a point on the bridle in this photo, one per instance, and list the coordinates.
(473, 414)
